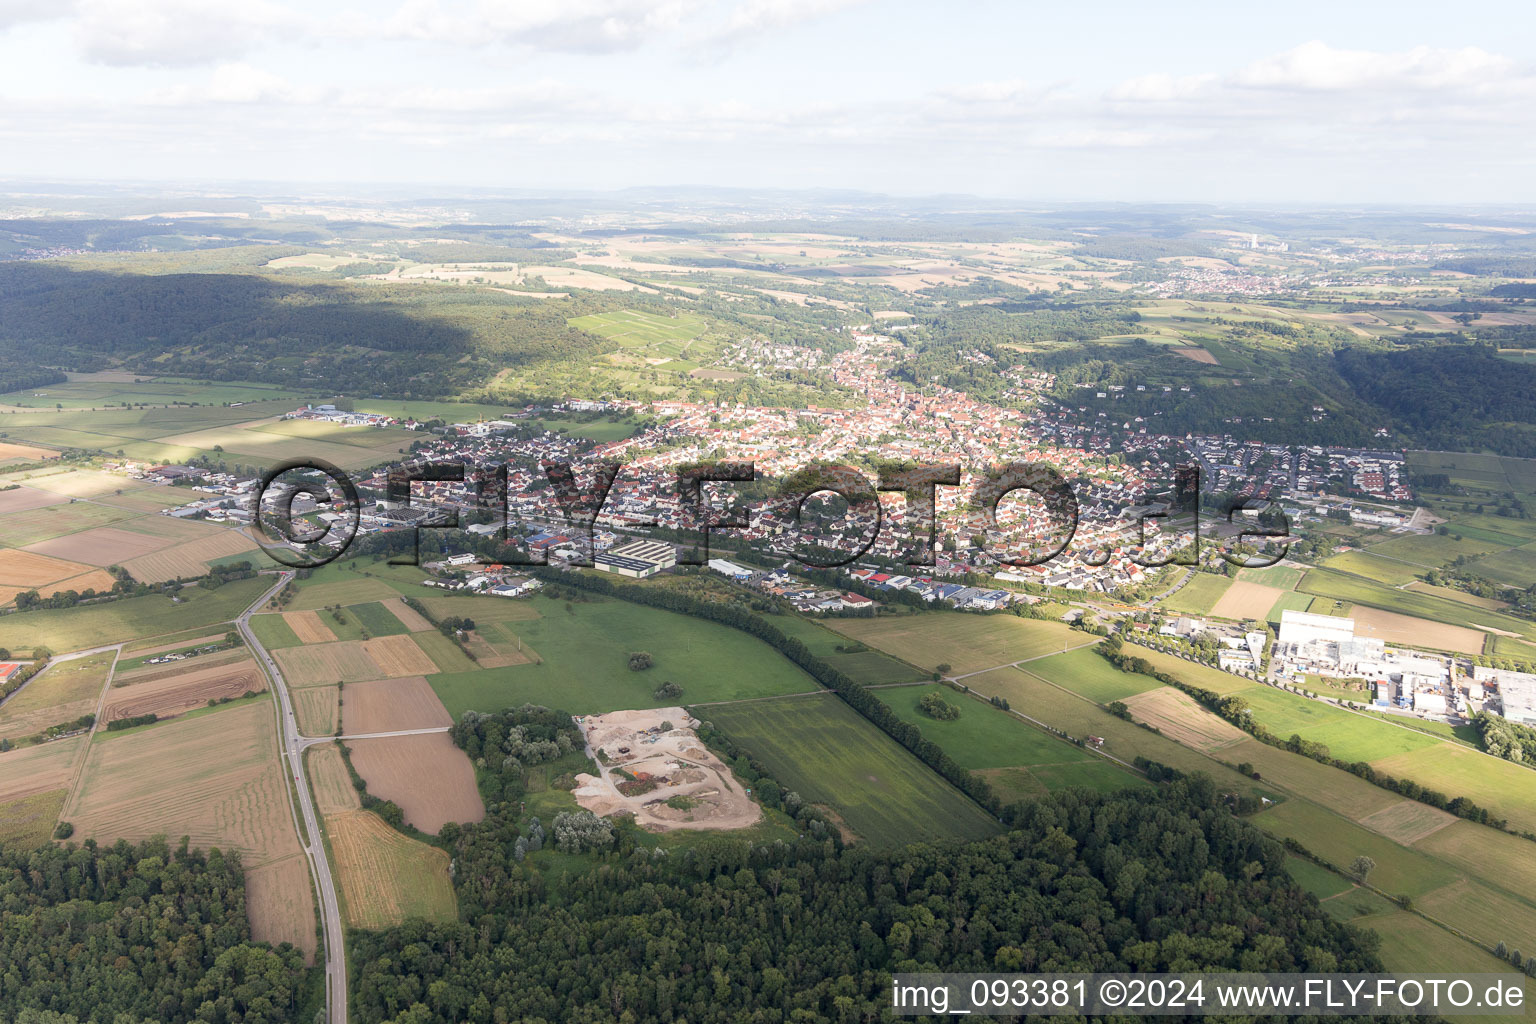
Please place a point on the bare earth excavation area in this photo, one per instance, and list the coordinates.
(666, 778)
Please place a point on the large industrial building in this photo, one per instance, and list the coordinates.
(637, 559)
(1517, 692)
(1326, 645)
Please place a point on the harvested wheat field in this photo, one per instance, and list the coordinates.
(430, 778)
(280, 902)
(316, 709)
(105, 545)
(352, 661)
(390, 705)
(183, 691)
(1176, 715)
(1245, 600)
(9, 450)
(84, 483)
(214, 777)
(37, 769)
(330, 780)
(399, 656)
(327, 664)
(308, 628)
(1408, 821)
(185, 561)
(386, 877)
(409, 617)
(25, 569)
(488, 655)
(1395, 628)
(24, 499)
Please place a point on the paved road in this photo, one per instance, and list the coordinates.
(292, 750)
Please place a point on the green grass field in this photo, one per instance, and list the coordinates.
(1434, 549)
(1339, 841)
(1317, 880)
(984, 738)
(28, 822)
(1505, 788)
(965, 642)
(1282, 576)
(822, 749)
(1382, 570)
(650, 334)
(1085, 671)
(1288, 602)
(273, 632)
(585, 654)
(376, 619)
(1193, 673)
(1054, 706)
(73, 629)
(1198, 596)
(1349, 737)
(89, 394)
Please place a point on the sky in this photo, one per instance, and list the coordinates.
(1305, 102)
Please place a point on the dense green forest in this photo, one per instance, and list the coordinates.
(1461, 397)
(726, 930)
(136, 935)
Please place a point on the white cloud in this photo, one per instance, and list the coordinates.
(16, 12)
(1162, 88)
(178, 33)
(1318, 67)
(756, 17)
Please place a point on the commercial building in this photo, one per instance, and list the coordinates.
(1517, 692)
(637, 559)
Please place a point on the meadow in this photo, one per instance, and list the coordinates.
(1197, 596)
(1086, 672)
(583, 664)
(965, 642)
(820, 748)
(385, 877)
(986, 739)
(1348, 736)
(133, 618)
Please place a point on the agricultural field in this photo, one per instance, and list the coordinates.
(386, 877)
(214, 778)
(62, 692)
(28, 771)
(184, 689)
(820, 748)
(330, 781)
(317, 709)
(280, 902)
(1245, 600)
(1348, 736)
(1390, 571)
(25, 570)
(1176, 715)
(1281, 577)
(1198, 595)
(1407, 630)
(376, 619)
(1193, 673)
(1505, 788)
(583, 661)
(967, 643)
(351, 661)
(1452, 594)
(28, 821)
(1078, 717)
(408, 617)
(427, 776)
(1086, 672)
(134, 618)
(272, 629)
(1339, 841)
(307, 628)
(1362, 592)
(1021, 759)
(390, 705)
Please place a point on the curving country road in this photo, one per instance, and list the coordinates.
(292, 747)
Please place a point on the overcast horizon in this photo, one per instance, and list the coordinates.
(1201, 103)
